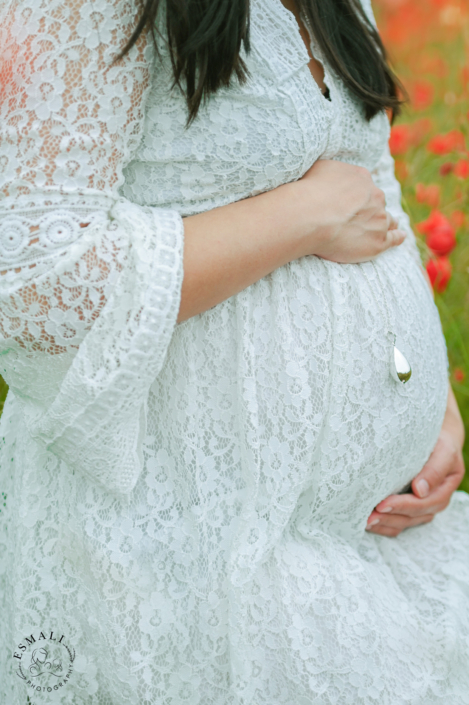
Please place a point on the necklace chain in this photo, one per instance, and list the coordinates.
(387, 315)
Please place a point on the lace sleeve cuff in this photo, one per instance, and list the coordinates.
(96, 423)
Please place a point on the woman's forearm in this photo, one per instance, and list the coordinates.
(453, 422)
(335, 211)
(229, 248)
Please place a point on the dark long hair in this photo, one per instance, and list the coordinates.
(205, 38)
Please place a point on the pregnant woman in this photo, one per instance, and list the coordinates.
(225, 364)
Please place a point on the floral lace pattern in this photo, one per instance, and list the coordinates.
(188, 502)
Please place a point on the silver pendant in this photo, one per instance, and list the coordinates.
(401, 371)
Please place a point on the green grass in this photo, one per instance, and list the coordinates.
(3, 393)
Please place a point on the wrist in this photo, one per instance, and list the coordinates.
(302, 210)
(453, 423)
(453, 428)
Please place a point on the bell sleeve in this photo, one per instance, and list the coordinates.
(89, 282)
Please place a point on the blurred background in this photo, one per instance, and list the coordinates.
(428, 44)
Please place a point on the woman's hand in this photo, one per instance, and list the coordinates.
(434, 485)
(353, 224)
(335, 211)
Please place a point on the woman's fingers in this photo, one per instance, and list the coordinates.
(413, 507)
(432, 488)
(394, 237)
(441, 474)
(445, 460)
(399, 512)
(396, 521)
(434, 485)
(394, 525)
(392, 222)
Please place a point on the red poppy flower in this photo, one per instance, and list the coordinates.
(442, 241)
(461, 169)
(435, 220)
(459, 375)
(440, 233)
(444, 144)
(439, 270)
(446, 168)
(428, 194)
(434, 65)
(400, 139)
(422, 95)
(403, 25)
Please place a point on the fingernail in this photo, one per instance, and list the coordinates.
(372, 523)
(423, 488)
(384, 511)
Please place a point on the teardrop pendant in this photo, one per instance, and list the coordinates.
(399, 368)
(401, 371)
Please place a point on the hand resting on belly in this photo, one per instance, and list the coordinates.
(433, 487)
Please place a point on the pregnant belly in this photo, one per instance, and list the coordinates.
(377, 432)
(278, 406)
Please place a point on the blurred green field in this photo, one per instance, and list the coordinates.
(428, 42)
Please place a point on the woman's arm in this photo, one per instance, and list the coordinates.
(335, 211)
(453, 422)
(433, 487)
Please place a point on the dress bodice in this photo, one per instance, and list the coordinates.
(253, 137)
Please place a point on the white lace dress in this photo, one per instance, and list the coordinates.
(187, 504)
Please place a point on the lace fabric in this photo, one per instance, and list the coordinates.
(187, 503)
(86, 275)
